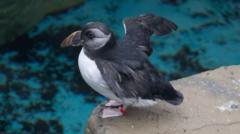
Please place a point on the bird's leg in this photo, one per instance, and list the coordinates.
(122, 109)
(113, 103)
(113, 109)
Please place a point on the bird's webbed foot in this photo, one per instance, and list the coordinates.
(113, 109)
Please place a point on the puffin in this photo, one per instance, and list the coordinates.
(119, 69)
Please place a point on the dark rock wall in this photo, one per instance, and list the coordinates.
(19, 16)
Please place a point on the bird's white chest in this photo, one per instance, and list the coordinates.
(92, 75)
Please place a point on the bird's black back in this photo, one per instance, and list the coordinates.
(129, 74)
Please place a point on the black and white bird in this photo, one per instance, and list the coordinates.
(120, 69)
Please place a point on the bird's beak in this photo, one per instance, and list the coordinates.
(74, 39)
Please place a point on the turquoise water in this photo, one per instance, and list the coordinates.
(42, 90)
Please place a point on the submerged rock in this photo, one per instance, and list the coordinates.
(207, 95)
(18, 17)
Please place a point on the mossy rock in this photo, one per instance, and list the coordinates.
(19, 16)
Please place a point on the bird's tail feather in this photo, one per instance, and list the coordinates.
(178, 99)
(170, 95)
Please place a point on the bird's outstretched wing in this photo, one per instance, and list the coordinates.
(139, 29)
(129, 80)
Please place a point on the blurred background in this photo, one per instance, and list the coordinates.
(41, 90)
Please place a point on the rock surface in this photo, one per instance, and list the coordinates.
(211, 105)
(19, 16)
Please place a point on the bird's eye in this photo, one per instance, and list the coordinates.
(90, 34)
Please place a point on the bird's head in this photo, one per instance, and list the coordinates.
(93, 36)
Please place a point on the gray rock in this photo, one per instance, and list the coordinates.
(211, 106)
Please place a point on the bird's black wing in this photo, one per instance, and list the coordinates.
(131, 79)
(139, 29)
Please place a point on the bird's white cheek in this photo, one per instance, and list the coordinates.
(97, 43)
(101, 41)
